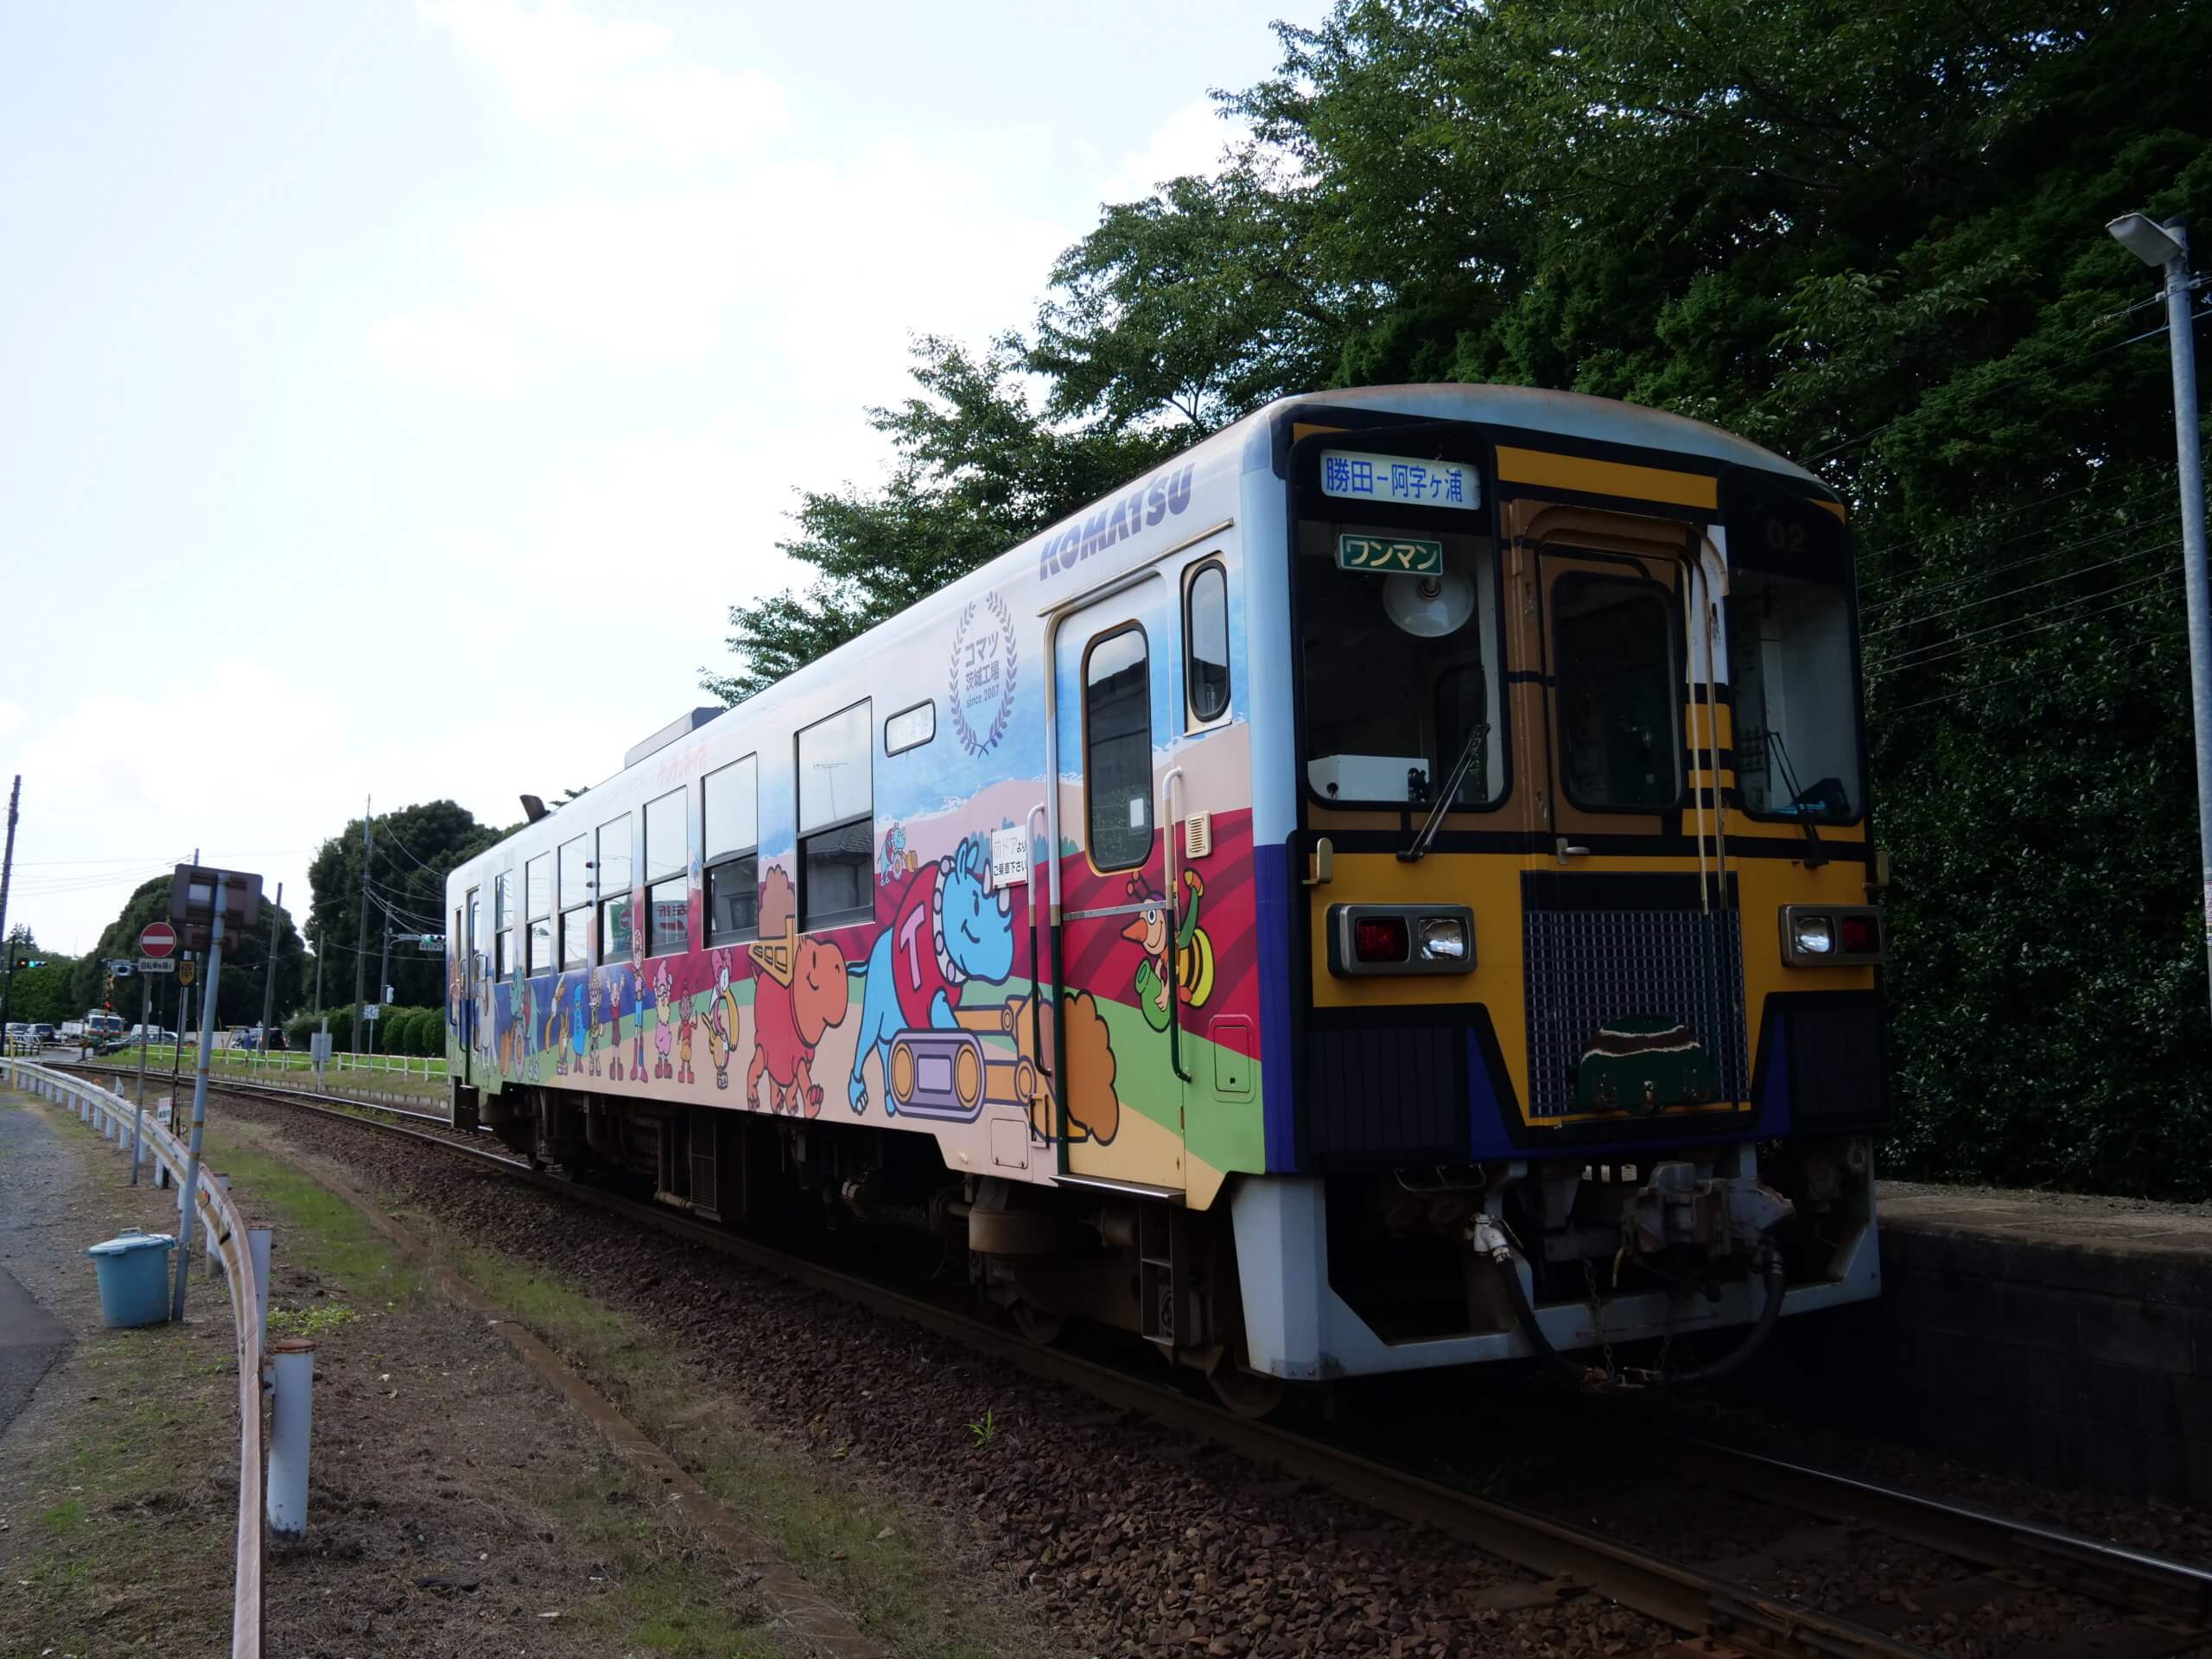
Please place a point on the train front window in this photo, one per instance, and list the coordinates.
(1620, 689)
(1796, 729)
(1398, 649)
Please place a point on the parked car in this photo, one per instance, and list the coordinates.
(19, 1031)
(42, 1032)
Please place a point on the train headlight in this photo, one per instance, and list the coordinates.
(1814, 936)
(1443, 938)
(1832, 935)
(1373, 940)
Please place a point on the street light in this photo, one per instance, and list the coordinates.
(2166, 246)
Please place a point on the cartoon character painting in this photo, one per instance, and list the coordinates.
(556, 1029)
(638, 1004)
(593, 1037)
(580, 1005)
(897, 858)
(949, 929)
(1190, 970)
(664, 988)
(687, 1018)
(721, 1031)
(799, 991)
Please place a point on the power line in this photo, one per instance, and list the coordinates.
(2007, 593)
(2041, 627)
(2040, 533)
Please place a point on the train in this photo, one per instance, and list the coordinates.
(1393, 887)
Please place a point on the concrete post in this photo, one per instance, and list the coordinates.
(291, 1418)
(199, 1102)
(256, 1239)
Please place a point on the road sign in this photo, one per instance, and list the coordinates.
(122, 967)
(186, 974)
(155, 965)
(157, 939)
(371, 1012)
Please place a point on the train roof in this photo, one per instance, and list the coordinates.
(1249, 443)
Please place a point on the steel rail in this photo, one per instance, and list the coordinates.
(2177, 1593)
(225, 1232)
(2174, 1595)
(1726, 1616)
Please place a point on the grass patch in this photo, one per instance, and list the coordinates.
(861, 1552)
(315, 1227)
(317, 1322)
(654, 1600)
(64, 1516)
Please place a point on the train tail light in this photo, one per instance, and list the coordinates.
(1377, 939)
(1826, 936)
(1432, 938)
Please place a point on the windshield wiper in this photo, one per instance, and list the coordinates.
(1473, 750)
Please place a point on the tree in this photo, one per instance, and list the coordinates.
(1868, 236)
(415, 849)
(39, 995)
(977, 470)
(245, 966)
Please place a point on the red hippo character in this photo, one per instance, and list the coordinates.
(799, 991)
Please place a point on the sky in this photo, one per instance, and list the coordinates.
(397, 396)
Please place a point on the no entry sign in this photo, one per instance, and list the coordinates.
(158, 939)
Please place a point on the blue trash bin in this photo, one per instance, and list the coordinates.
(134, 1274)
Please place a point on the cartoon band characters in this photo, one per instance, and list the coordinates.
(948, 928)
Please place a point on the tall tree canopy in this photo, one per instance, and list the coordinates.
(1867, 235)
(414, 849)
(245, 966)
(40, 994)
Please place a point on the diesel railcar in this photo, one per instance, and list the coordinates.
(1392, 888)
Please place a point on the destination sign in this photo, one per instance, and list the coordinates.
(1396, 556)
(1353, 475)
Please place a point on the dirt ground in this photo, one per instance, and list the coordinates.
(457, 1505)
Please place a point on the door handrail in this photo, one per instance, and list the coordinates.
(1174, 921)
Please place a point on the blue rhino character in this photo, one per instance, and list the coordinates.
(949, 929)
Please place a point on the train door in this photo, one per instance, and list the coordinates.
(472, 988)
(1634, 960)
(1121, 1085)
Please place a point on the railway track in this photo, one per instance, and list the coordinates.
(2165, 1606)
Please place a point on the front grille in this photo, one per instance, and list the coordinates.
(1607, 947)
(1380, 1096)
(1836, 1051)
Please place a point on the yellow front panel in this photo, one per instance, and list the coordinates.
(1490, 885)
(1548, 471)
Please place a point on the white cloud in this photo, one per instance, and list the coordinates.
(448, 347)
(12, 715)
(1190, 140)
(558, 64)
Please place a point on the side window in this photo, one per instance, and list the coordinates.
(837, 818)
(537, 915)
(503, 918)
(1117, 749)
(668, 852)
(576, 902)
(612, 878)
(910, 728)
(1205, 643)
(730, 817)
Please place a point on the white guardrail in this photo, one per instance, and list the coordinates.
(225, 1231)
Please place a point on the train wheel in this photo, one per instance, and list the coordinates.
(1038, 1326)
(1248, 1393)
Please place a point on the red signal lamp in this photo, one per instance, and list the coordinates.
(1380, 938)
(1862, 935)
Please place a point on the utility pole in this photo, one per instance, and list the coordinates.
(7, 874)
(2166, 246)
(383, 975)
(198, 1105)
(183, 1020)
(361, 932)
(319, 954)
(269, 973)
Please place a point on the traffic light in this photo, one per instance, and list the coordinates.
(30, 962)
